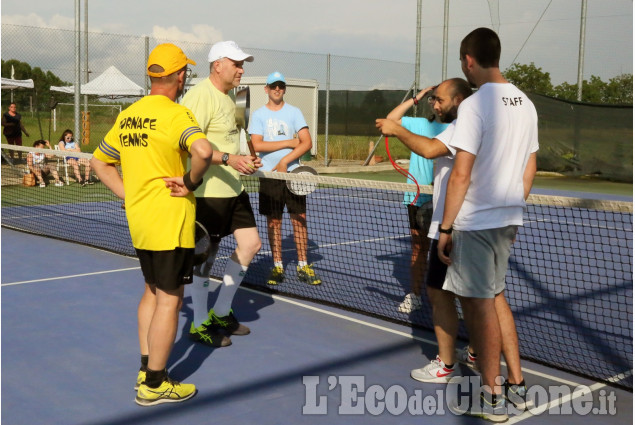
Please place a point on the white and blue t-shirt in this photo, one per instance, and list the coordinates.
(275, 126)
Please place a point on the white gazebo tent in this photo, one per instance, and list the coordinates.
(10, 84)
(111, 83)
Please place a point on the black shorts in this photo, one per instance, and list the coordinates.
(168, 270)
(274, 195)
(420, 217)
(435, 275)
(222, 216)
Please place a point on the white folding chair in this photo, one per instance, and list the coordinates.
(61, 162)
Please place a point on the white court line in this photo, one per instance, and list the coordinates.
(70, 276)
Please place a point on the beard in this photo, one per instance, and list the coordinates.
(447, 117)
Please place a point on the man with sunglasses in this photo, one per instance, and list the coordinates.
(151, 140)
(222, 204)
(281, 135)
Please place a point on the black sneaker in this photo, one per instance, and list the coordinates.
(495, 411)
(228, 324)
(203, 335)
(517, 395)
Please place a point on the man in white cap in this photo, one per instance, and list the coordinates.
(222, 204)
(281, 135)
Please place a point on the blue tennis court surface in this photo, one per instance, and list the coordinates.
(70, 355)
(569, 282)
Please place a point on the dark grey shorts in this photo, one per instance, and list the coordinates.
(479, 262)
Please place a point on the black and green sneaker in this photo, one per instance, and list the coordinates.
(228, 324)
(204, 335)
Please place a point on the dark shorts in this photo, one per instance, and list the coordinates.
(435, 276)
(222, 216)
(420, 217)
(274, 195)
(14, 140)
(168, 270)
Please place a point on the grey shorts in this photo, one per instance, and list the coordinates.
(479, 262)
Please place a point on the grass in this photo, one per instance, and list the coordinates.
(18, 195)
(575, 184)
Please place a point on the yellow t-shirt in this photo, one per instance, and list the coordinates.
(151, 139)
(216, 113)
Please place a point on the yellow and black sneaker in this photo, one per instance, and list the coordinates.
(168, 392)
(307, 274)
(205, 336)
(276, 276)
(228, 324)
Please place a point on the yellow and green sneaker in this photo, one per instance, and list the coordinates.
(307, 274)
(168, 392)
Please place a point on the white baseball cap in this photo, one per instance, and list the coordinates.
(228, 49)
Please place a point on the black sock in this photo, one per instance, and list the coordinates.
(154, 378)
(144, 363)
(450, 366)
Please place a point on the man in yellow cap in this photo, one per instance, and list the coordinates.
(151, 140)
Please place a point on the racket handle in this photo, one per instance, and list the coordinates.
(252, 151)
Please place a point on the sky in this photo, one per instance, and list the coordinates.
(545, 32)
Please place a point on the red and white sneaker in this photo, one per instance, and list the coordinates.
(436, 371)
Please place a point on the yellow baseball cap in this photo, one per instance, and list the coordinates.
(169, 57)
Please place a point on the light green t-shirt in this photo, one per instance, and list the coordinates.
(215, 112)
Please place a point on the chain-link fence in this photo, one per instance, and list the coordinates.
(575, 138)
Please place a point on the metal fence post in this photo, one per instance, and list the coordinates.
(326, 124)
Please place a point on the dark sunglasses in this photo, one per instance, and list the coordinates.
(281, 86)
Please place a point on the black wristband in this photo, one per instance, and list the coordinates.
(187, 181)
(446, 231)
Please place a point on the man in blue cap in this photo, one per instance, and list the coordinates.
(281, 135)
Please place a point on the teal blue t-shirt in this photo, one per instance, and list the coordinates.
(421, 168)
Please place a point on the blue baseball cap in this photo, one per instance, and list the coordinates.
(275, 77)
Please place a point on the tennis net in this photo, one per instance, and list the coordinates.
(569, 282)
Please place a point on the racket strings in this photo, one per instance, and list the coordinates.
(404, 173)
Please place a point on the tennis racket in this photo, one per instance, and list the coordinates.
(242, 115)
(404, 173)
(299, 187)
(203, 244)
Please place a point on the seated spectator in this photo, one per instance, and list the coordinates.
(67, 143)
(38, 166)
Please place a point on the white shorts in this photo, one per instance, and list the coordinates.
(479, 262)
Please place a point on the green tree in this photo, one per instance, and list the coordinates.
(619, 89)
(529, 78)
(39, 97)
(566, 91)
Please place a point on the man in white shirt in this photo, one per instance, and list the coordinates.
(496, 139)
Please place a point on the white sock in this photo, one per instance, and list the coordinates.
(199, 290)
(234, 274)
(278, 264)
(302, 264)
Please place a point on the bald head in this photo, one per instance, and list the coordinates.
(448, 96)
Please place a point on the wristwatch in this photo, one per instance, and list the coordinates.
(446, 231)
(225, 158)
